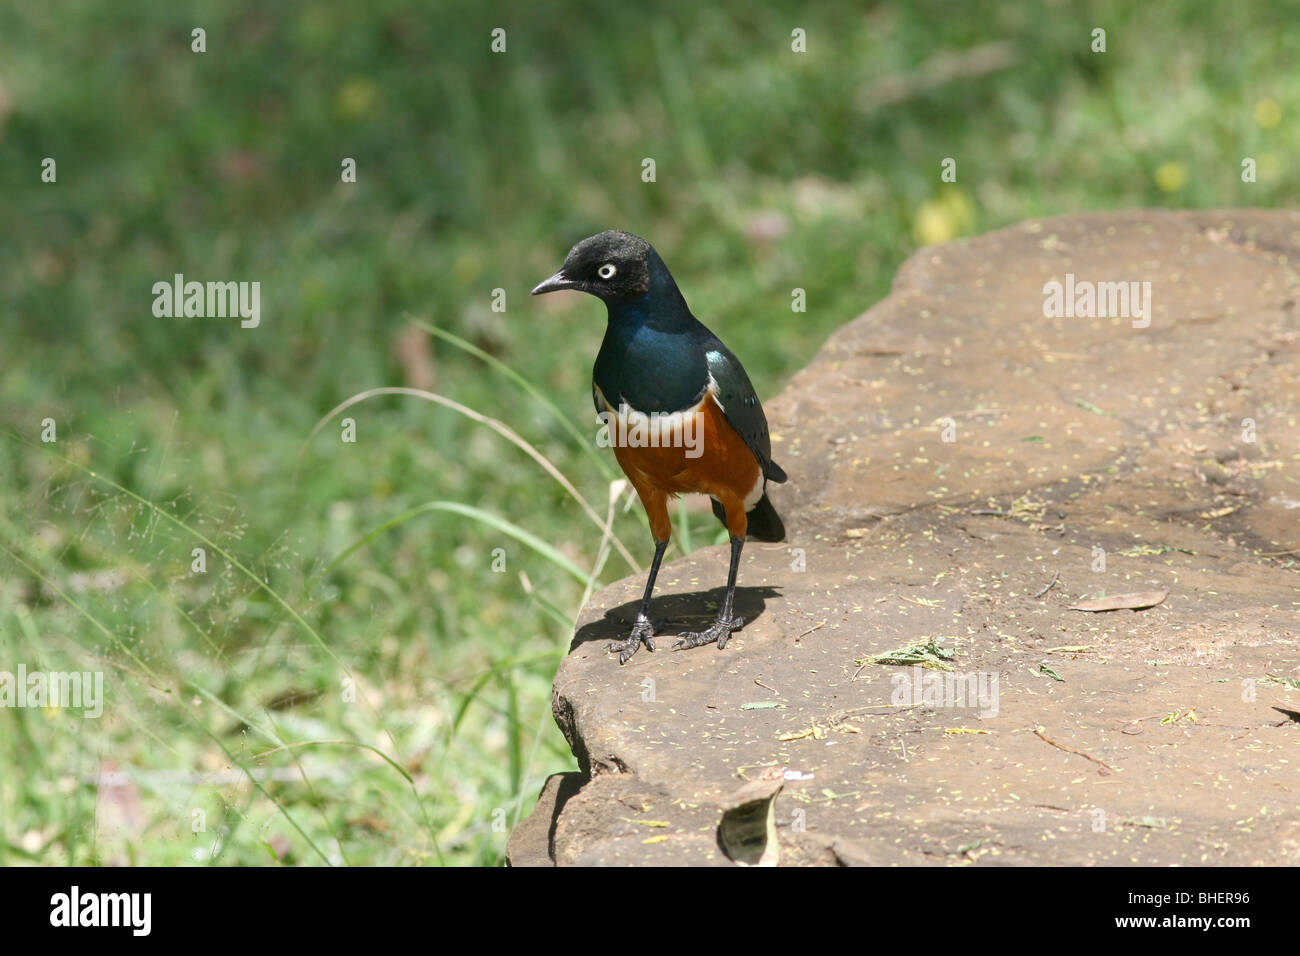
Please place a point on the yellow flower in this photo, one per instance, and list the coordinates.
(938, 220)
(357, 96)
(1171, 177)
(1267, 113)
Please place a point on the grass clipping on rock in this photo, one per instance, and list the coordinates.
(928, 653)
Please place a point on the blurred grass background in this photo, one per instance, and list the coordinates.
(475, 171)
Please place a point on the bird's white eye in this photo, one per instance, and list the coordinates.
(606, 271)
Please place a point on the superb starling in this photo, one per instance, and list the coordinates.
(696, 422)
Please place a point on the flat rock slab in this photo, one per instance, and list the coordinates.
(952, 453)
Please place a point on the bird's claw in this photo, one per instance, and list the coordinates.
(719, 633)
(643, 632)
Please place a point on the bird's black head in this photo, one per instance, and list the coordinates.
(613, 266)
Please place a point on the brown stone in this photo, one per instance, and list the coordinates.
(1171, 735)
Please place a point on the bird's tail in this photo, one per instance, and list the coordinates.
(764, 523)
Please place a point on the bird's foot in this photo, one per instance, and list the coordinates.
(719, 633)
(643, 632)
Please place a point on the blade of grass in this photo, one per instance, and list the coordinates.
(339, 743)
(526, 538)
(536, 393)
(616, 489)
(685, 541)
(499, 427)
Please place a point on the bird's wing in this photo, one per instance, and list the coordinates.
(741, 407)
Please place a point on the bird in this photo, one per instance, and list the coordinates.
(662, 371)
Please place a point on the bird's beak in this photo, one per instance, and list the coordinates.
(554, 284)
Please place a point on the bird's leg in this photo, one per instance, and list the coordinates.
(721, 630)
(643, 631)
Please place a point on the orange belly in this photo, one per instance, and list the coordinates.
(724, 467)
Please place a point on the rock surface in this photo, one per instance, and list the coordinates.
(1108, 458)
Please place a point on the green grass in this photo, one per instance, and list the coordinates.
(351, 681)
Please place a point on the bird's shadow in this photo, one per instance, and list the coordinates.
(1292, 715)
(675, 614)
